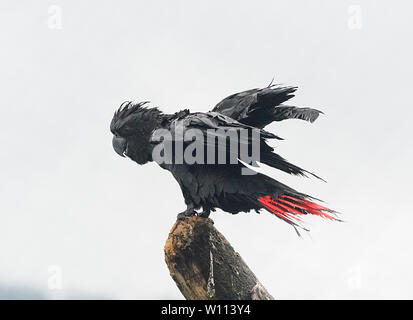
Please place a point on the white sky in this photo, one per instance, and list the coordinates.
(69, 200)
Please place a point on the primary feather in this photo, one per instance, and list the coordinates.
(260, 107)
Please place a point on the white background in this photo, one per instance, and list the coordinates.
(68, 200)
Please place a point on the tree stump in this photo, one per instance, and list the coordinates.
(205, 266)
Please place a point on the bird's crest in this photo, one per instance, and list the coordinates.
(127, 108)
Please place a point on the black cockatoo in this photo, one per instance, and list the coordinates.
(231, 186)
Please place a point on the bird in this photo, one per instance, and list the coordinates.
(146, 134)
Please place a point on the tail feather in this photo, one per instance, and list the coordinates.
(289, 208)
(276, 161)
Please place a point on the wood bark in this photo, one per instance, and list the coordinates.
(204, 265)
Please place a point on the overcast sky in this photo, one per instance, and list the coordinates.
(70, 203)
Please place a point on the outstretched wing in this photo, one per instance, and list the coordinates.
(217, 134)
(221, 135)
(260, 107)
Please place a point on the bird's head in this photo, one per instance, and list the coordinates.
(132, 126)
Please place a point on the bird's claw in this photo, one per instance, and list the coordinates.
(187, 213)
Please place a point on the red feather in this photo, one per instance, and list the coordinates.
(289, 209)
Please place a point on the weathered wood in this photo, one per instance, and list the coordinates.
(205, 266)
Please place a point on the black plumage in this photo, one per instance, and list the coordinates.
(205, 184)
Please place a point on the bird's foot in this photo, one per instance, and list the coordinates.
(207, 211)
(189, 212)
(204, 214)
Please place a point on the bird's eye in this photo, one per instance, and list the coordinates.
(125, 130)
(117, 133)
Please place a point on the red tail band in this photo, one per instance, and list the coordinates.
(289, 209)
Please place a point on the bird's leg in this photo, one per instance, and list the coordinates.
(190, 211)
(206, 212)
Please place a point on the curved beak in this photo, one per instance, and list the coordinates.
(119, 145)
